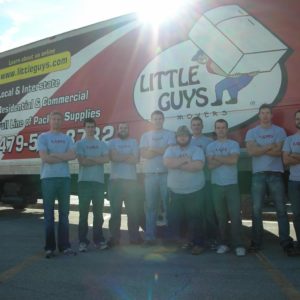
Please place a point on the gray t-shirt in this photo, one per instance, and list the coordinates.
(54, 142)
(292, 145)
(91, 148)
(202, 142)
(265, 136)
(123, 170)
(156, 139)
(184, 182)
(224, 174)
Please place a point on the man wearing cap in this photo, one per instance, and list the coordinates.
(222, 155)
(152, 147)
(186, 181)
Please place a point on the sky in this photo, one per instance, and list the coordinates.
(26, 21)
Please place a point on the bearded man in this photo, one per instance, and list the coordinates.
(186, 181)
(124, 155)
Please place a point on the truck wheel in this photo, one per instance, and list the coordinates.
(19, 206)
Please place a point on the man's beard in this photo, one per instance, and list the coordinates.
(122, 136)
(181, 144)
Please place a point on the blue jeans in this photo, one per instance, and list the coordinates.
(294, 196)
(274, 182)
(210, 218)
(56, 188)
(124, 190)
(188, 208)
(227, 204)
(90, 191)
(155, 191)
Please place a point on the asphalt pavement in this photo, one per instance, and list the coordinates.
(135, 272)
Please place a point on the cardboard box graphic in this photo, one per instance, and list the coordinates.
(237, 42)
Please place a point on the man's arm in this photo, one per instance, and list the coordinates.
(217, 161)
(276, 150)
(290, 159)
(176, 162)
(66, 156)
(148, 152)
(46, 158)
(55, 158)
(227, 160)
(296, 156)
(91, 161)
(255, 150)
(119, 157)
(193, 166)
(212, 163)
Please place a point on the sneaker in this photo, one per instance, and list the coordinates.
(292, 251)
(49, 253)
(187, 246)
(196, 250)
(222, 249)
(213, 245)
(69, 251)
(240, 251)
(101, 246)
(82, 247)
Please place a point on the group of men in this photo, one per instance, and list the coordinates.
(188, 177)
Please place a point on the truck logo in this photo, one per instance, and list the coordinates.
(221, 70)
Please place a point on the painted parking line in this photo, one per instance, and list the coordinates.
(286, 286)
(13, 271)
(10, 273)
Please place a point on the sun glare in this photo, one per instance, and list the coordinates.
(158, 11)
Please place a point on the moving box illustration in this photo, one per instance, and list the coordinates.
(236, 41)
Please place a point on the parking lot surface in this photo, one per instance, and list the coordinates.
(136, 272)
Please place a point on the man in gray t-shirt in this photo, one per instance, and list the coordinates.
(291, 158)
(186, 182)
(55, 150)
(202, 141)
(152, 148)
(222, 156)
(124, 155)
(264, 143)
(92, 154)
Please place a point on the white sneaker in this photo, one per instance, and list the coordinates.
(240, 251)
(49, 253)
(222, 249)
(82, 247)
(69, 251)
(101, 246)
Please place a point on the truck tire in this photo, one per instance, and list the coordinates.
(19, 206)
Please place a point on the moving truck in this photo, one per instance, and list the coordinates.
(215, 59)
